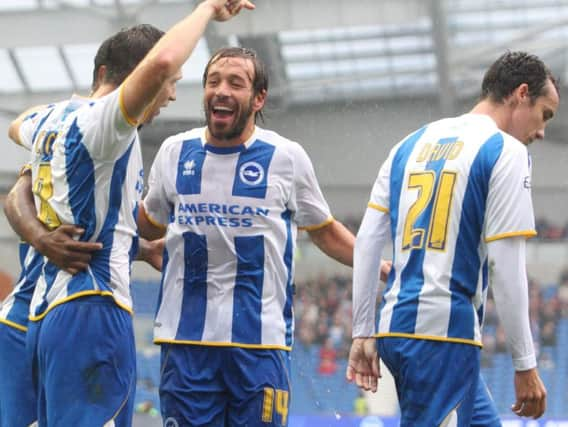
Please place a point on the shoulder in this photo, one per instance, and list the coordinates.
(283, 146)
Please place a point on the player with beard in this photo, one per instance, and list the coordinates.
(229, 198)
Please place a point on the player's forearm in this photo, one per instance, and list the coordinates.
(165, 60)
(507, 264)
(21, 212)
(371, 239)
(336, 241)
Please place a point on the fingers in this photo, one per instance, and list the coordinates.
(83, 247)
(366, 382)
(349, 374)
(248, 5)
(534, 408)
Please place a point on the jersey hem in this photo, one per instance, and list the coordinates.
(317, 226)
(224, 344)
(429, 338)
(377, 207)
(76, 296)
(132, 122)
(14, 325)
(526, 233)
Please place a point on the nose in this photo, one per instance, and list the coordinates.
(222, 90)
(540, 134)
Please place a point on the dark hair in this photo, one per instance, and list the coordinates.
(510, 71)
(122, 52)
(260, 78)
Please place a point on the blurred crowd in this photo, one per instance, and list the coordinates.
(323, 318)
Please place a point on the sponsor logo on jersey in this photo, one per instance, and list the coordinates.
(189, 168)
(251, 173)
(171, 422)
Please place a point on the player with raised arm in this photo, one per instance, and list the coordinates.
(455, 198)
(87, 172)
(236, 195)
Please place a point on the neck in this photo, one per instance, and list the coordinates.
(499, 112)
(233, 142)
(102, 90)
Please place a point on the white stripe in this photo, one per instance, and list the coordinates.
(451, 420)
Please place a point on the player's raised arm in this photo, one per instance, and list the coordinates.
(163, 63)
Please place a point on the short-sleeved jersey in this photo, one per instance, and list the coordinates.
(232, 216)
(15, 309)
(449, 188)
(86, 168)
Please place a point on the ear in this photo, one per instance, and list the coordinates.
(522, 92)
(101, 74)
(259, 101)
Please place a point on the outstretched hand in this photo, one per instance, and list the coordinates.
(226, 9)
(62, 249)
(363, 364)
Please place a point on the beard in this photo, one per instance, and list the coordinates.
(234, 130)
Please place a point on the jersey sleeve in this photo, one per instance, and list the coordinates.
(509, 210)
(108, 129)
(380, 194)
(312, 210)
(156, 203)
(30, 126)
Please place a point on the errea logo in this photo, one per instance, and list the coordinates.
(251, 173)
(171, 422)
(189, 168)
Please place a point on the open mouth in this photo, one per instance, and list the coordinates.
(221, 112)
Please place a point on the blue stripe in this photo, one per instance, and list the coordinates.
(100, 263)
(466, 266)
(165, 262)
(194, 304)
(405, 312)
(190, 163)
(247, 295)
(251, 177)
(288, 262)
(40, 124)
(80, 172)
(49, 273)
(484, 284)
(396, 179)
(26, 284)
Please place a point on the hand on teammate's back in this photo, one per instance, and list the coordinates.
(151, 251)
(225, 10)
(62, 249)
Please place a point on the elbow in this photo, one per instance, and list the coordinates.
(164, 65)
(13, 131)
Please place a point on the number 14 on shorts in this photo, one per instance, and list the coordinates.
(275, 401)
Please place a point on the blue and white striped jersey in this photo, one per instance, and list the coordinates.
(87, 170)
(449, 188)
(232, 216)
(15, 309)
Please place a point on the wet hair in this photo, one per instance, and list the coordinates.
(511, 70)
(122, 52)
(260, 78)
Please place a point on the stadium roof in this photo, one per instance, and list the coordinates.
(317, 50)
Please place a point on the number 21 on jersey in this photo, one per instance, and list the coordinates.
(435, 191)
